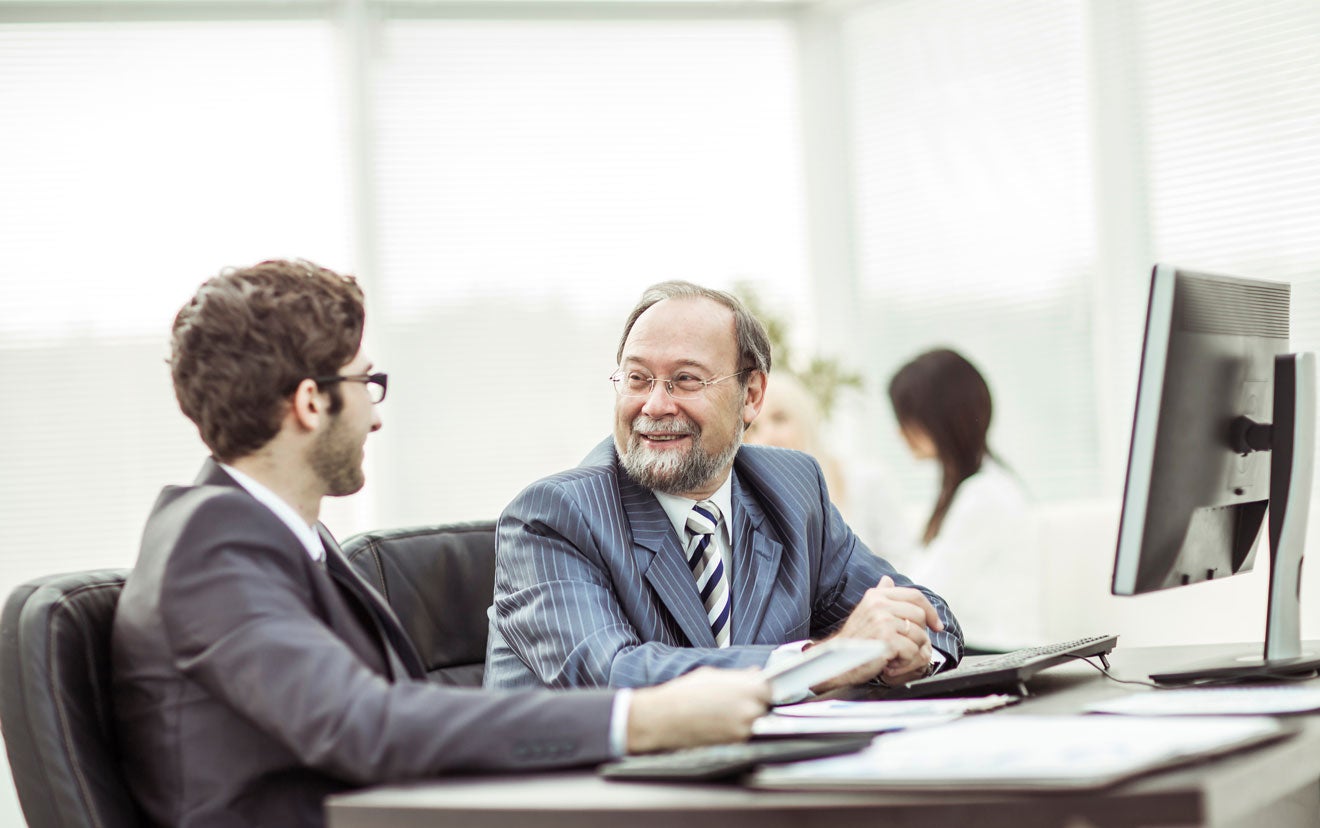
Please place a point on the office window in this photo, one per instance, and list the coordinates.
(1232, 101)
(975, 225)
(527, 180)
(139, 159)
(533, 177)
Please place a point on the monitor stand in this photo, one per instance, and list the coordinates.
(1291, 441)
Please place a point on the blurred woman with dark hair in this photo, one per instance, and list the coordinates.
(977, 548)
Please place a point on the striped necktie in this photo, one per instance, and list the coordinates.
(707, 567)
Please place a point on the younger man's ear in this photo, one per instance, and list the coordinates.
(308, 405)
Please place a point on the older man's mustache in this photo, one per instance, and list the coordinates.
(645, 425)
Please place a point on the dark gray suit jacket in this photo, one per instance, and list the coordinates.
(249, 681)
(592, 588)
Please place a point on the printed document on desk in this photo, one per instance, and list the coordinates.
(837, 716)
(1248, 700)
(1028, 753)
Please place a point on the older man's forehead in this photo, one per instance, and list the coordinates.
(695, 330)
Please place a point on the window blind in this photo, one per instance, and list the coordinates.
(139, 159)
(1232, 98)
(971, 142)
(533, 177)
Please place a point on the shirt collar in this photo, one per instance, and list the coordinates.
(677, 507)
(310, 540)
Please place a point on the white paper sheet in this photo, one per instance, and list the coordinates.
(1023, 752)
(833, 716)
(1214, 701)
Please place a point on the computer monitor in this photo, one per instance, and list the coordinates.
(1224, 432)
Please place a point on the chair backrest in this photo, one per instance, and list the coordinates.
(55, 702)
(439, 580)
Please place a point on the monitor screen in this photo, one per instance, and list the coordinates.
(1211, 450)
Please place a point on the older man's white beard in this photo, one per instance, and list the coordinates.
(673, 472)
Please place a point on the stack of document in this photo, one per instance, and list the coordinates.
(870, 716)
(1024, 753)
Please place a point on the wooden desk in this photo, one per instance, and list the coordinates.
(1275, 785)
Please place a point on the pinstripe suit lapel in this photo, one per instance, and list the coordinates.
(755, 564)
(660, 555)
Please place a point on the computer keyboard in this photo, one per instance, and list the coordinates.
(986, 674)
(713, 762)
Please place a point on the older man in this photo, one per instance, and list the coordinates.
(674, 546)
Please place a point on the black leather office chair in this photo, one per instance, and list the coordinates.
(55, 707)
(439, 580)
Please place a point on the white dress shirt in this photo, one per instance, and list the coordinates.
(289, 516)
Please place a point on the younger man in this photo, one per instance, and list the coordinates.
(254, 672)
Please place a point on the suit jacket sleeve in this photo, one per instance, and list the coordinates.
(789, 488)
(241, 621)
(556, 604)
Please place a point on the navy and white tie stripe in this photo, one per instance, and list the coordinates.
(703, 557)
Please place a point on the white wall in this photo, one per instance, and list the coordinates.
(1078, 541)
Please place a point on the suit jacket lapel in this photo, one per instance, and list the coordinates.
(399, 651)
(755, 564)
(660, 555)
(403, 658)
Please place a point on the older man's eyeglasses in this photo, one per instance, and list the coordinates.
(376, 383)
(681, 386)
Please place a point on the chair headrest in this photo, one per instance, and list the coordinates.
(55, 702)
(439, 580)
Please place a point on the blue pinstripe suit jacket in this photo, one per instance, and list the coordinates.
(592, 588)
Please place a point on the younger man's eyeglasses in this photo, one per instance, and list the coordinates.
(376, 383)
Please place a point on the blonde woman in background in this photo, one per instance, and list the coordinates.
(791, 418)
